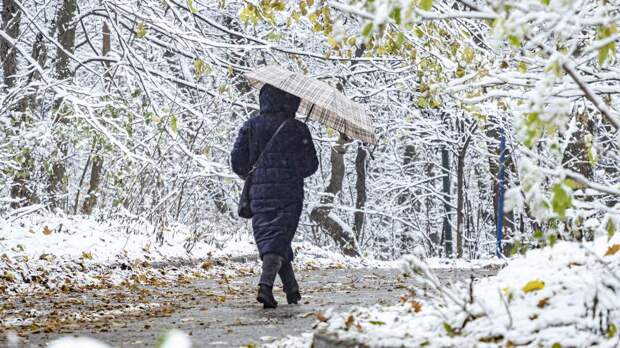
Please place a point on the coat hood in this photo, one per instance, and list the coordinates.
(276, 101)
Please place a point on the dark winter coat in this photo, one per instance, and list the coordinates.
(277, 191)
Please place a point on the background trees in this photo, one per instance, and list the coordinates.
(128, 109)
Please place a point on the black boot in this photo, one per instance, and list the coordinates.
(293, 298)
(291, 288)
(265, 296)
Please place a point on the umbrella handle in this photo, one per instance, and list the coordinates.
(309, 112)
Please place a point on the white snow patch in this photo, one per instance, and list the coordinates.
(75, 342)
(176, 339)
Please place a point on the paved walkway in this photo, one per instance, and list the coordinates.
(221, 312)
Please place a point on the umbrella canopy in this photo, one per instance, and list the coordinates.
(320, 101)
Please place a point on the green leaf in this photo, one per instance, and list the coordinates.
(274, 36)
(173, 123)
(522, 67)
(377, 322)
(449, 329)
(395, 15)
(514, 40)
(435, 103)
(141, 30)
(561, 200)
(552, 239)
(555, 67)
(422, 103)
(460, 72)
(611, 229)
(556, 345)
(279, 6)
(201, 68)
(468, 54)
(248, 14)
(419, 32)
(538, 234)
(533, 129)
(603, 54)
(571, 183)
(612, 330)
(367, 30)
(603, 32)
(426, 4)
(190, 5)
(545, 2)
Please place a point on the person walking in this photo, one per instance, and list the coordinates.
(287, 156)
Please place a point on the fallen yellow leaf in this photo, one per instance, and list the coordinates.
(320, 317)
(612, 249)
(543, 302)
(87, 255)
(533, 285)
(47, 231)
(417, 306)
(8, 276)
(207, 265)
(350, 321)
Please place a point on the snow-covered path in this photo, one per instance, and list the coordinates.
(217, 312)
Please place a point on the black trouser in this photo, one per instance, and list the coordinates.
(273, 265)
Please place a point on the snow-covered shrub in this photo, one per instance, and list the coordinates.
(567, 295)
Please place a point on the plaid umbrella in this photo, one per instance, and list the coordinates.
(320, 101)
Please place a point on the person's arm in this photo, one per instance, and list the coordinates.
(240, 155)
(311, 162)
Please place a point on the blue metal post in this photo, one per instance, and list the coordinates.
(500, 197)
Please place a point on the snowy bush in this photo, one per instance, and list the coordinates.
(567, 295)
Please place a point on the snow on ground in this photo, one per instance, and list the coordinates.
(49, 251)
(46, 251)
(567, 295)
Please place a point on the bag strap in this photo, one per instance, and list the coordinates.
(260, 157)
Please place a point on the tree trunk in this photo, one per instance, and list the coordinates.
(577, 158)
(406, 197)
(8, 56)
(39, 54)
(321, 214)
(10, 24)
(459, 202)
(576, 154)
(447, 227)
(21, 194)
(66, 38)
(95, 174)
(95, 179)
(460, 182)
(493, 132)
(360, 188)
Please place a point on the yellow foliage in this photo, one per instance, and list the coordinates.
(533, 285)
(141, 30)
(612, 250)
